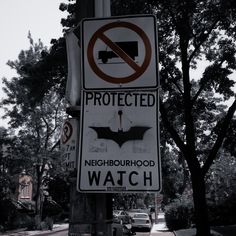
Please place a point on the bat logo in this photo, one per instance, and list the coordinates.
(121, 137)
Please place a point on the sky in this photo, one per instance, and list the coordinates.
(18, 17)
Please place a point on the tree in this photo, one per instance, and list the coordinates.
(8, 182)
(5, 178)
(175, 175)
(190, 31)
(36, 112)
(59, 189)
(221, 189)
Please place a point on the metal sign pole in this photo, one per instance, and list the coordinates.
(90, 214)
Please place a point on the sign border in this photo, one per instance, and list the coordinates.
(79, 165)
(154, 54)
(139, 70)
(74, 123)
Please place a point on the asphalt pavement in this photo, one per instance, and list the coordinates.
(158, 229)
(24, 232)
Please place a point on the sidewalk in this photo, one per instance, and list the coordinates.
(160, 229)
(192, 232)
(56, 228)
(229, 230)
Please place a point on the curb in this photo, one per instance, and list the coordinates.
(51, 232)
(34, 233)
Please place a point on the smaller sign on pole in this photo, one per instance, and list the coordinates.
(69, 140)
(74, 69)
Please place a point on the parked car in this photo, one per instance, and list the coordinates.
(141, 221)
(133, 211)
(122, 216)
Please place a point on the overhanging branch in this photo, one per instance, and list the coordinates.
(171, 129)
(221, 136)
(203, 38)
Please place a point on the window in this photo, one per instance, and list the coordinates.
(24, 191)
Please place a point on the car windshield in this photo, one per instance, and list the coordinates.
(140, 216)
(135, 210)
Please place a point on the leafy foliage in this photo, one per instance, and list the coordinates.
(191, 108)
(59, 189)
(221, 179)
(179, 214)
(36, 109)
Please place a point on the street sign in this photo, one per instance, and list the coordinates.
(119, 53)
(74, 68)
(119, 142)
(69, 143)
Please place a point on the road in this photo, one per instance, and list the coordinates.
(142, 233)
(56, 233)
(61, 233)
(65, 233)
(158, 229)
(157, 233)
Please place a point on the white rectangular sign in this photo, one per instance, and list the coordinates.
(119, 142)
(119, 53)
(69, 143)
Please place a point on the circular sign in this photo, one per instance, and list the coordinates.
(138, 69)
(67, 131)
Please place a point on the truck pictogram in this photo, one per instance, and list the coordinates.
(129, 47)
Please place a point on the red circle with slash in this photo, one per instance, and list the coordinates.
(138, 69)
(67, 131)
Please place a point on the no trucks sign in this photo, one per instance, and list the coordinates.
(119, 53)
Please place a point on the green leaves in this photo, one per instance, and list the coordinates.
(217, 78)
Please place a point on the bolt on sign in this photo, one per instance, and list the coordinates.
(68, 143)
(119, 149)
(119, 53)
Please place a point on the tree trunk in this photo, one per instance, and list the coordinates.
(38, 199)
(38, 213)
(200, 205)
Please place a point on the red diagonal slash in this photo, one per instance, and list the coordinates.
(115, 48)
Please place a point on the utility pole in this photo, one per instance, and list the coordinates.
(90, 213)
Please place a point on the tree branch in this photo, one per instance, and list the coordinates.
(173, 79)
(171, 129)
(221, 136)
(47, 133)
(55, 145)
(203, 37)
(199, 92)
(204, 83)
